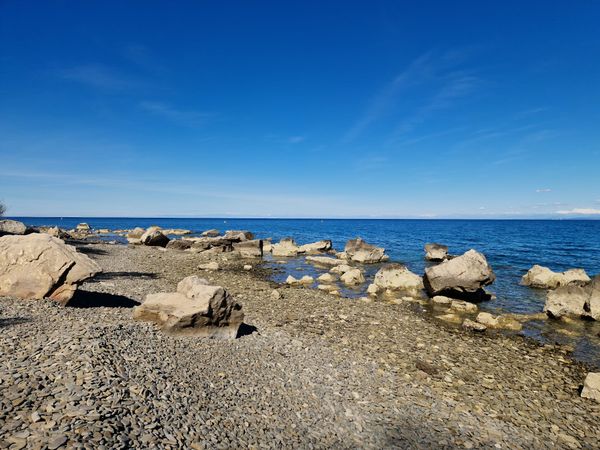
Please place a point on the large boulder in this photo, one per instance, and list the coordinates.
(180, 244)
(285, 247)
(238, 235)
(543, 278)
(39, 265)
(8, 226)
(398, 277)
(134, 236)
(197, 308)
(462, 277)
(359, 251)
(315, 247)
(154, 237)
(249, 249)
(591, 386)
(436, 252)
(575, 300)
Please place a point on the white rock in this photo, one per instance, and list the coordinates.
(247, 267)
(441, 300)
(340, 269)
(326, 278)
(359, 251)
(353, 277)
(591, 387)
(315, 247)
(462, 306)
(8, 226)
(285, 248)
(398, 277)
(436, 252)
(212, 265)
(543, 278)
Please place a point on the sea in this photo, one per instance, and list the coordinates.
(510, 246)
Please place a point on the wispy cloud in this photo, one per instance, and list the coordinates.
(182, 117)
(99, 76)
(296, 139)
(539, 191)
(448, 84)
(580, 211)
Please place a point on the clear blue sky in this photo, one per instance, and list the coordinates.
(296, 109)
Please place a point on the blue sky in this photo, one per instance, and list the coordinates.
(300, 109)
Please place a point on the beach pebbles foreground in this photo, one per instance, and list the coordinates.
(310, 371)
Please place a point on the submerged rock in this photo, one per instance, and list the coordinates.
(398, 277)
(462, 306)
(8, 226)
(196, 308)
(324, 261)
(436, 252)
(39, 265)
(359, 251)
(462, 277)
(575, 299)
(498, 322)
(543, 278)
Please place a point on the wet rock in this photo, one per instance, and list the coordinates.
(154, 237)
(436, 252)
(324, 261)
(340, 269)
(441, 300)
(211, 233)
(462, 277)
(39, 265)
(196, 308)
(450, 317)
(353, 277)
(12, 227)
(462, 306)
(326, 278)
(285, 248)
(397, 277)
(591, 387)
(543, 278)
(502, 322)
(359, 251)
(249, 248)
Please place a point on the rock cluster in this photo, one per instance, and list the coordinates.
(39, 265)
(197, 308)
(463, 277)
(359, 251)
(543, 278)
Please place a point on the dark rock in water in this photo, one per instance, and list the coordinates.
(8, 226)
(211, 233)
(436, 252)
(463, 277)
(180, 244)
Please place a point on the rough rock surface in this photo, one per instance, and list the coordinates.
(249, 248)
(285, 248)
(197, 308)
(575, 299)
(315, 247)
(39, 265)
(154, 236)
(591, 387)
(305, 280)
(321, 372)
(134, 236)
(324, 261)
(238, 235)
(180, 244)
(211, 233)
(359, 251)
(461, 277)
(398, 277)
(436, 252)
(543, 278)
(8, 226)
(353, 277)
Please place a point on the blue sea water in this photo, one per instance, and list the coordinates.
(511, 246)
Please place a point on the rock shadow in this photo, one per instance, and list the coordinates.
(9, 321)
(88, 250)
(246, 330)
(103, 276)
(89, 299)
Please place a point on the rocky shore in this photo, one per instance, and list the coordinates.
(309, 370)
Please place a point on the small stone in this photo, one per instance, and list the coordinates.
(57, 441)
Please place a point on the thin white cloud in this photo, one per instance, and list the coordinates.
(182, 117)
(580, 211)
(543, 190)
(98, 76)
(296, 139)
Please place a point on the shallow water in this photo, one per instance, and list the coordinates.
(511, 247)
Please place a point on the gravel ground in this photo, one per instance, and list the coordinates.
(310, 370)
